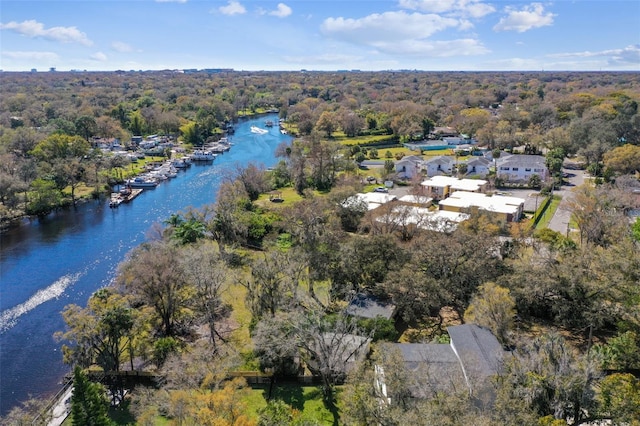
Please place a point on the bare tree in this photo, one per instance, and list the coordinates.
(207, 272)
(330, 346)
(274, 283)
(154, 276)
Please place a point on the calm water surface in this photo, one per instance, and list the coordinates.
(64, 258)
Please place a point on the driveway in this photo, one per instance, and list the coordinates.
(560, 220)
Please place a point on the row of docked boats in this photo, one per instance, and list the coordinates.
(211, 151)
(159, 172)
(148, 180)
(154, 175)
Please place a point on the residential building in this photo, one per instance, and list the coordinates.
(409, 166)
(441, 165)
(339, 353)
(519, 168)
(418, 200)
(500, 207)
(440, 187)
(469, 362)
(443, 132)
(478, 166)
(373, 200)
(403, 217)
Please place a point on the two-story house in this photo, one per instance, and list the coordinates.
(441, 165)
(519, 168)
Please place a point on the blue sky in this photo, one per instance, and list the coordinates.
(430, 35)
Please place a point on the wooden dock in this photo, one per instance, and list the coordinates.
(130, 195)
(124, 196)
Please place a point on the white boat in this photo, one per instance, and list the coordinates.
(258, 130)
(181, 163)
(158, 175)
(142, 182)
(202, 155)
(170, 172)
(115, 200)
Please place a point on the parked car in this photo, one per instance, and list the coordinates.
(381, 189)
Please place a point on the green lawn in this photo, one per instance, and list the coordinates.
(361, 140)
(549, 212)
(306, 399)
(288, 196)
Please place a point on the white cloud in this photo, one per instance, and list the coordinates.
(629, 55)
(441, 49)
(386, 27)
(32, 28)
(531, 16)
(122, 47)
(233, 8)
(99, 56)
(466, 8)
(402, 33)
(282, 11)
(465, 25)
(31, 56)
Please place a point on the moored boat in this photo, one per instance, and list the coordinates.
(203, 155)
(180, 163)
(142, 182)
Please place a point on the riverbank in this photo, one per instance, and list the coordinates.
(63, 258)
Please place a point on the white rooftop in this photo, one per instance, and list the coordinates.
(438, 220)
(415, 199)
(372, 199)
(455, 183)
(495, 203)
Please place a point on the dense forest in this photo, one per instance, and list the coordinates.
(247, 290)
(50, 122)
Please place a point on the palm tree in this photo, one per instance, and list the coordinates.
(189, 231)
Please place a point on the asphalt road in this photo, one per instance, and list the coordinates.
(560, 220)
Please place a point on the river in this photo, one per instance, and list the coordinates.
(61, 259)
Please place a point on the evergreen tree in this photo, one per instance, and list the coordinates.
(88, 402)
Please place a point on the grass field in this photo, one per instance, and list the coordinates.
(306, 399)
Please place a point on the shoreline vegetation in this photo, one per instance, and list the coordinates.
(262, 281)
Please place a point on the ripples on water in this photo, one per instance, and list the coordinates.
(48, 264)
(8, 317)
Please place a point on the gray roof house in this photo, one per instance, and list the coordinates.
(339, 353)
(439, 165)
(478, 166)
(409, 166)
(520, 168)
(472, 358)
